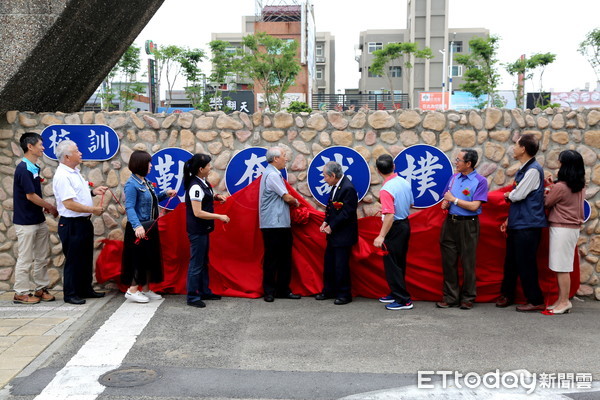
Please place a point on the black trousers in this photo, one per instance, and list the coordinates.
(394, 263)
(521, 261)
(277, 262)
(459, 239)
(77, 238)
(336, 272)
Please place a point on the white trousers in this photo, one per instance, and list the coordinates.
(33, 242)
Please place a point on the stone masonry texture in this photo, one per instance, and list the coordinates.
(491, 132)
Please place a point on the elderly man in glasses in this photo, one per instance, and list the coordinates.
(465, 192)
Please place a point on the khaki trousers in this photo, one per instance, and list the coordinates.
(33, 242)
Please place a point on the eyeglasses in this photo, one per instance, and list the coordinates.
(459, 160)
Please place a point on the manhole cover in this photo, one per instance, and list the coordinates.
(128, 377)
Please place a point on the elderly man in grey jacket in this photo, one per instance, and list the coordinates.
(275, 225)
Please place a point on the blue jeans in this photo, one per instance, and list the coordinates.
(197, 279)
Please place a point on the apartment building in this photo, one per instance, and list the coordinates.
(427, 25)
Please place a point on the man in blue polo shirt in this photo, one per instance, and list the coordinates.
(465, 192)
(30, 224)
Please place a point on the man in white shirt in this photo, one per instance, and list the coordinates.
(75, 206)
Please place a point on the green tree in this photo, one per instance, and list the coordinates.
(527, 67)
(107, 93)
(190, 60)
(481, 77)
(272, 63)
(590, 49)
(129, 66)
(224, 64)
(168, 64)
(391, 52)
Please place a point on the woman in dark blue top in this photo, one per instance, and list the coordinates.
(200, 216)
(141, 249)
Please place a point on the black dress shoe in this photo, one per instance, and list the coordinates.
(322, 296)
(93, 295)
(342, 300)
(269, 298)
(197, 303)
(292, 296)
(211, 296)
(74, 300)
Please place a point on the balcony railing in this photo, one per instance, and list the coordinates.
(326, 102)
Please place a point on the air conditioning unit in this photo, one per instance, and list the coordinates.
(320, 59)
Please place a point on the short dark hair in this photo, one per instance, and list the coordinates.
(530, 143)
(138, 162)
(385, 164)
(470, 156)
(31, 138)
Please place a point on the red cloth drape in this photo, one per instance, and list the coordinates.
(236, 251)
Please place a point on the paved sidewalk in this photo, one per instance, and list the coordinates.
(26, 331)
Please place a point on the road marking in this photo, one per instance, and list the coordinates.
(103, 352)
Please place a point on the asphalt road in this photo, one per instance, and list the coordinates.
(306, 349)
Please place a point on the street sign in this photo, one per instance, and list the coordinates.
(353, 165)
(245, 167)
(427, 169)
(95, 142)
(167, 173)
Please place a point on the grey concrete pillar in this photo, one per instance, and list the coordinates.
(55, 53)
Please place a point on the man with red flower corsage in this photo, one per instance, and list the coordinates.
(30, 224)
(341, 227)
(75, 206)
(465, 191)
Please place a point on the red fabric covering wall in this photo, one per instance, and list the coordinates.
(236, 252)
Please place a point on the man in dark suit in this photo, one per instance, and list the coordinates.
(341, 227)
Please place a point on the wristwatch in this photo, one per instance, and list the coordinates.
(455, 201)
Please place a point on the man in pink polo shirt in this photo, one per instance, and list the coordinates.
(396, 198)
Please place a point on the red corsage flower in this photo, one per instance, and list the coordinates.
(42, 180)
(91, 184)
(337, 205)
(466, 192)
(153, 184)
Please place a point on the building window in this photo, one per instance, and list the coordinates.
(319, 74)
(457, 46)
(455, 70)
(375, 46)
(319, 50)
(372, 75)
(395, 72)
(230, 50)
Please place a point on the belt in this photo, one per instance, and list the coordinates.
(463, 217)
(84, 218)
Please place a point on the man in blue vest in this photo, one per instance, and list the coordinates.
(526, 218)
(275, 224)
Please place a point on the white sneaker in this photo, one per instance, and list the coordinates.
(152, 296)
(138, 297)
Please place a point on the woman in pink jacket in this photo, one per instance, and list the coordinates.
(564, 199)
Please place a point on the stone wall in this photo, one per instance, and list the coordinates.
(492, 132)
